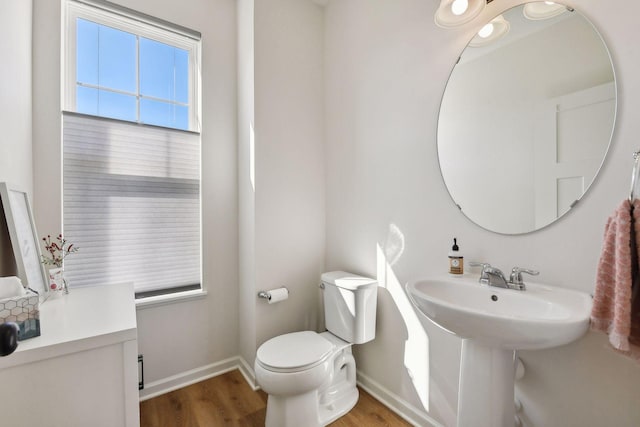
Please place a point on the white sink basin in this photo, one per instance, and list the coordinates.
(540, 317)
(494, 323)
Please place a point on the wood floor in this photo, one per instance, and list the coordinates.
(227, 400)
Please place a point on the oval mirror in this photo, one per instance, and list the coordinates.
(526, 118)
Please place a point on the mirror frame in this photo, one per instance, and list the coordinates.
(24, 238)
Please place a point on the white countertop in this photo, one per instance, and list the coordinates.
(86, 318)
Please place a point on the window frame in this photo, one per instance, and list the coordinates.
(123, 19)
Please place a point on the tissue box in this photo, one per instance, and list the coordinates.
(23, 310)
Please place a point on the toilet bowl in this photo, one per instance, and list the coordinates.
(311, 383)
(311, 377)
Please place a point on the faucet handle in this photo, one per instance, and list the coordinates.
(484, 277)
(484, 265)
(516, 274)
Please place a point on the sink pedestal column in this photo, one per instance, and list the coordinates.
(487, 378)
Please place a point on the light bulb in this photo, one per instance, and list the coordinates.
(497, 28)
(458, 7)
(486, 31)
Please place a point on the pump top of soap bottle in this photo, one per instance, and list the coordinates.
(455, 247)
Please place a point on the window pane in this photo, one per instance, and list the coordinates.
(163, 71)
(87, 100)
(182, 76)
(181, 115)
(164, 114)
(156, 69)
(117, 59)
(117, 106)
(87, 52)
(155, 113)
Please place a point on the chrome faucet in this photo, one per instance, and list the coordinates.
(490, 275)
(493, 276)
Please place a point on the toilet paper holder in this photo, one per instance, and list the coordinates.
(267, 294)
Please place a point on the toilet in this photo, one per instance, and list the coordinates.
(310, 377)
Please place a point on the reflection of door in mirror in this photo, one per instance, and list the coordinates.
(569, 149)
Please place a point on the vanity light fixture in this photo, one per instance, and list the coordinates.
(453, 13)
(497, 28)
(538, 11)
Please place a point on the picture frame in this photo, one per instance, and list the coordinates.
(24, 238)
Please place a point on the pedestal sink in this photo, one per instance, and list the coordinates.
(494, 323)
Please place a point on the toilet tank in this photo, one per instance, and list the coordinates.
(350, 306)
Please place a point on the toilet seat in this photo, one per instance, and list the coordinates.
(294, 352)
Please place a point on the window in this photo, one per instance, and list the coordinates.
(131, 151)
(128, 77)
(127, 66)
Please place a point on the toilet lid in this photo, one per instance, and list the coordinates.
(294, 351)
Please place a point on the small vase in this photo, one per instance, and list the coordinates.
(57, 281)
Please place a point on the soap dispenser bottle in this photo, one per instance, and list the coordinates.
(456, 260)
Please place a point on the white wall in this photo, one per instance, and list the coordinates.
(15, 87)
(389, 214)
(281, 166)
(16, 166)
(246, 182)
(47, 120)
(289, 163)
(187, 335)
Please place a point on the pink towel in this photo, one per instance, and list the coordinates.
(613, 309)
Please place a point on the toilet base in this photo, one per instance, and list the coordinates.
(296, 410)
(292, 410)
(341, 395)
(334, 409)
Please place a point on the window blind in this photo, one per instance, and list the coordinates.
(131, 204)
